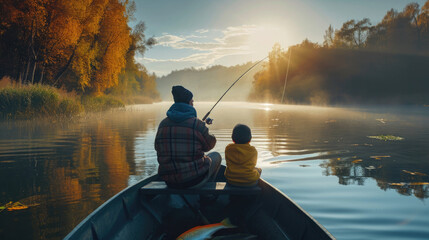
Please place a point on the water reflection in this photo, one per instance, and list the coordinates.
(64, 170)
(344, 139)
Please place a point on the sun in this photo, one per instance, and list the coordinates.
(261, 41)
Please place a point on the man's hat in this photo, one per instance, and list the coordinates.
(181, 94)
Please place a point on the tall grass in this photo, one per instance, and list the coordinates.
(35, 101)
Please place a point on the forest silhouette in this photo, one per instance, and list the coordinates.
(209, 83)
(358, 63)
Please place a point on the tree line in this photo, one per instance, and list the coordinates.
(208, 84)
(357, 63)
(86, 45)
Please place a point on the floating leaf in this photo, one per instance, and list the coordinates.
(381, 120)
(397, 184)
(386, 137)
(13, 206)
(304, 165)
(419, 183)
(414, 173)
(420, 174)
(379, 157)
(357, 160)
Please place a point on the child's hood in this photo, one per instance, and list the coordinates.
(240, 153)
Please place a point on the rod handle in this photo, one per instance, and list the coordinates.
(207, 114)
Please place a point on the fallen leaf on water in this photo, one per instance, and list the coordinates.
(304, 165)
(419, 183)
(414, 173)
(397, 184)
(379, 157)
(357, 160)
(380, 120)
(386, 137)
(338, 159)
(420, 174)
(14, 206)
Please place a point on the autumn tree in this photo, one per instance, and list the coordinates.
(83, 45)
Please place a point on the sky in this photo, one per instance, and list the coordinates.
(202, 33)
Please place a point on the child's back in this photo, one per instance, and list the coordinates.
(241, 158)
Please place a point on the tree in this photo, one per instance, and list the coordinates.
(352, 34)
(329, 37)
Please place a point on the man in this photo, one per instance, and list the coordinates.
(180, 144)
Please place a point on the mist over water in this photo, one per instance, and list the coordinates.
(336, 163)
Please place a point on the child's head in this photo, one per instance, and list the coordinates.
(241, 134)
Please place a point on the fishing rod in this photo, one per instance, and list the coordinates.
(209, 120)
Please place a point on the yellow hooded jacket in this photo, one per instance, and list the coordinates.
(240, 164)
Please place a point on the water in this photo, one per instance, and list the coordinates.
(357, 187)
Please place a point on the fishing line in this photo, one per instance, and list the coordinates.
(287, 74)
(208, 113)
(283, 95)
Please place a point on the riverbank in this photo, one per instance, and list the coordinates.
(33, 101)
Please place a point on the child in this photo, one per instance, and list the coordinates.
(241, 159)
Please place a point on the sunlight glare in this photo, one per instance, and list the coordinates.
(262, 40)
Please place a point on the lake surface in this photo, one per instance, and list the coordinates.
(357, 186)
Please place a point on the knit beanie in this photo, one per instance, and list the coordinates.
(181, 94)
(241, 134)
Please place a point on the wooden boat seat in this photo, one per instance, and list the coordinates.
(217, 188)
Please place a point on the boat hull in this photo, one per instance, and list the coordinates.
(133, 215)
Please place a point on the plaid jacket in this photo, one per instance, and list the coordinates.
(180, 148)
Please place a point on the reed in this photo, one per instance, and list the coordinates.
(35, 101)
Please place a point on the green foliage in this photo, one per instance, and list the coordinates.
(101, 103)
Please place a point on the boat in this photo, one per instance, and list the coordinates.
(150, 210)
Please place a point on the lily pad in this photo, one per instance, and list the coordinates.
(387, 137)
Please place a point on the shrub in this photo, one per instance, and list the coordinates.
(69, 107)
(101, 103)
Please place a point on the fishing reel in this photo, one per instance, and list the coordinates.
(209, 121)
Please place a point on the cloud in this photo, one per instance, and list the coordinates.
(168, 39)
(202, 30)
(233, 41)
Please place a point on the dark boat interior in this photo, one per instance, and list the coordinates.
(264, 213)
